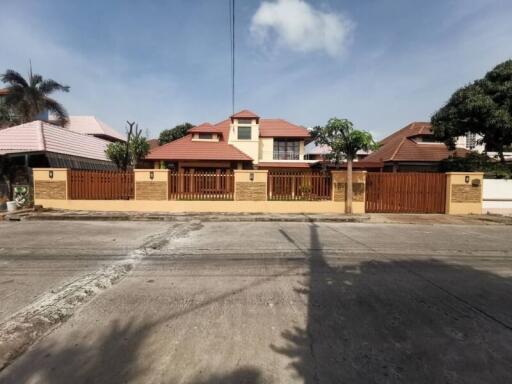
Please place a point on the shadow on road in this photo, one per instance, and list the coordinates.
(387, 321)
(380, 321)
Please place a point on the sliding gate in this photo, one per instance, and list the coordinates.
(406, 192)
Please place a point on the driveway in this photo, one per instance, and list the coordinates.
(291, 303)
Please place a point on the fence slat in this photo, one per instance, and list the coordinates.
(289, 185)
(101, 185)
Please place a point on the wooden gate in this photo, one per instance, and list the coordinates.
(406, 192)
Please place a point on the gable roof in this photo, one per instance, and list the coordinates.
(38, 136)
(91, 125)
(281, 128)
(205, 128)
(401, 146)
(186, 149)
(244, 113)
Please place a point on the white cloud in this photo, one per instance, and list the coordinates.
(300, 27)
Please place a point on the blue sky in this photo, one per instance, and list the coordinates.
(379, 63)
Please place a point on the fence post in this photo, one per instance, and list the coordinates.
(464, 193)
(151, 184)
(251, 185)
(50, 184)
(339, 187)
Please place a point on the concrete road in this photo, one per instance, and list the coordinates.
(36, 257)
(294, 303)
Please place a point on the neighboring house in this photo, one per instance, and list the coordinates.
(312, 151)
(40, 144)
(92, 126)
(471, 141)
(412, 148)
(244, 141)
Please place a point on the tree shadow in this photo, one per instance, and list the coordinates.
(392, 321)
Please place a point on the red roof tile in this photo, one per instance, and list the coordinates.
(3, 91)
(186, 149)
(402, 146)
(283, 165)
(245, 113)
(281, 128)
(206, 128)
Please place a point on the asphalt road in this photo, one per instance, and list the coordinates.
(281, 303)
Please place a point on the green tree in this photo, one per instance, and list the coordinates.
(29, 98)
(168, 135)
(483, 107)
(132, 151)
(116, 152)
(345, 142)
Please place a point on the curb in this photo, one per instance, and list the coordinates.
(213, 218)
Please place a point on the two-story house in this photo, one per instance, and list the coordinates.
(244, 141)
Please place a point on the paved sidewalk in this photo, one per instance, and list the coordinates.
(373, 218)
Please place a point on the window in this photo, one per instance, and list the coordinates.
(244, 133)
(286, 149)
(205, 136)
(244, 121)
(470, 140)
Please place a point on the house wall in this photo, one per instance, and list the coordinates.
(249, 147)
(266, 149)
(497, 196)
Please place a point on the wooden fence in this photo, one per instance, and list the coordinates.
(299, 186)
(408, 192)
(101, 185)
(201, 185)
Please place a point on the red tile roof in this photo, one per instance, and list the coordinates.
(401, 146)
(205, 128)
(281, 128)
(275, 164)
(3, 91)
(245, 113)
(186, 149)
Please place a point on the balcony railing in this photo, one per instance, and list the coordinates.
(286, 155)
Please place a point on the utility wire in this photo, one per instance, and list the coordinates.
(232, 38)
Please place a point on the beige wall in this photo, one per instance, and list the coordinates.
(198, 206)
(249, 147)
(464, 197)
(266, 149)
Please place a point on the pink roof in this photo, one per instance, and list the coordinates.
(186, 149)
(38, 136)
(90, 125)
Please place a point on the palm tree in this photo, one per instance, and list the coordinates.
(28, 98)
(345, 142)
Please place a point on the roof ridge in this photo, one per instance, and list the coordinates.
(398, 148)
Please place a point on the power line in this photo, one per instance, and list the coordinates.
(232, 47)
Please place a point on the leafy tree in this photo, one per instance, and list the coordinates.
(477, 162)
(130, 152)
(116, 152)
(483, 107)
(345, 142)
(28, 98)
(168, 135)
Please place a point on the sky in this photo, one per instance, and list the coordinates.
(379, 63)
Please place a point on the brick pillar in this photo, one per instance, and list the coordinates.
(151, 184)
(50, 184)
(339, 189)
(464, 193)
(251, 185)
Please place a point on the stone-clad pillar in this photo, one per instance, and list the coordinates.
(251, 185)
(151, 184)
(50, 184)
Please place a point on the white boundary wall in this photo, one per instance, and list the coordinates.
(497, 196)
